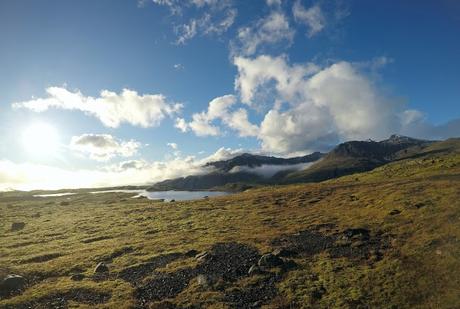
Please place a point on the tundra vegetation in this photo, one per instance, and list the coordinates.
(386, 238)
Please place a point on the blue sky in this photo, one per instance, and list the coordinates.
(286, 77)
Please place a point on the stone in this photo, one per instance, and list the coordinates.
(16, 226)
(270, 260)
(13, 283)
(395, 212)
(101, 268)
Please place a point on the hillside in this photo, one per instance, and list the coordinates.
(358, 156)
(347, 158)
(387, 238)
(241, 169)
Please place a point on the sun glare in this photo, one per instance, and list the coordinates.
(40, 139)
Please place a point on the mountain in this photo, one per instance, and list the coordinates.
(358, 156)
(243, 169)
(345, 159)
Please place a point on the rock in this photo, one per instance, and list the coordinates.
(101, 268)
(257, 304)
(356, 234)
(255, 270)
(395, 212)
(13, 283)
(64, 203)
(16, 226)
(36, 215)
(172, 201)
(202, 281)
(281, 252)
(191, 253)
(205, 197)
(77, 277)
(270, 260)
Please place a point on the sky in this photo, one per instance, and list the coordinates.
(102, 93)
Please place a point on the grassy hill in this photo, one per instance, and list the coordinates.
(388, 238)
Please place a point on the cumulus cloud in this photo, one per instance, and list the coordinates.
(173, 145)
(270, 30)
(273, 2)
(204, 123)
(323, 105)
(103, 147)
(111, 108)
(313, 17)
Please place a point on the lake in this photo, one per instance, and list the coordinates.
(169, 195)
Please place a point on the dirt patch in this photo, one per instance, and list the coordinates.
(305, 242)
(94, 239)
(60, 300)
(135, 274)
(228, 261)
(41, 258)
(164, 285)
(115, 254)
(253, 295)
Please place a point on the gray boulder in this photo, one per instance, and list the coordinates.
(13, 283)
(16, 226)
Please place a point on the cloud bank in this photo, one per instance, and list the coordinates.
(111, 108)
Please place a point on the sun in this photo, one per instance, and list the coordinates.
(40, 139)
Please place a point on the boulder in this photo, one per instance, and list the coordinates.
(101, 268)
(270, 260)
(356, 234)
(13, 283)
(16, 226)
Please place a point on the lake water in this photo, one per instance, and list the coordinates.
(169, 195)
(54, 194)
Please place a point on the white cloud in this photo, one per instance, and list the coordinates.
(173, 145)
(28, 176)
(181, 124)
(103, 147)
(269, 170)
(111, 108)
(178, 66)
(203, 124)
(270, 30)
(273, 2)
(313, 17)
(223, 154)
(322, 105)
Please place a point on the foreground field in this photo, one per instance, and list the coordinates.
(389, 238)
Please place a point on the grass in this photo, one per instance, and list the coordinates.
(417, 267)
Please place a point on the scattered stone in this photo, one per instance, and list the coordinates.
(395, 212)
(270, 260)
(101, 268)
(77, 277)
(12, 283)
(172, 201)
(17, 226)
